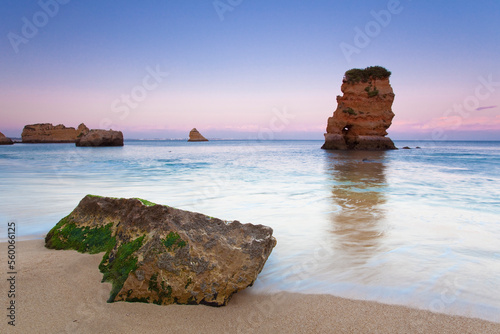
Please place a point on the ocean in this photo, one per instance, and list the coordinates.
(418, 227)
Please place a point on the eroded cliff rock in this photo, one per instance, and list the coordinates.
(48, 133)
(4, 140)
(101, 138)
(195, 135)
(363, 113)
(159, 254)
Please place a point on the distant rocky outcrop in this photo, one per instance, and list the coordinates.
(195, 135)
(48, 133)
(101, 138)
(4, 140)
(363, 113)
(162, 255)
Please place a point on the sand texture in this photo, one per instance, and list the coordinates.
(60, 292)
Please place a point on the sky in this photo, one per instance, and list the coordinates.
(247, 69)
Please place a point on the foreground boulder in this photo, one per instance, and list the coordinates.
(195, 135)
(4, 140)
(101, 138)
(48, 133)
(364, 112)
(162, 255)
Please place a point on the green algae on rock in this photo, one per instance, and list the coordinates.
(117, 270)
(66, 235)
(163, 255)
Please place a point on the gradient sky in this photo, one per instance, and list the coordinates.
(235, 66)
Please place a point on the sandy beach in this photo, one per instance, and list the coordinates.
(61, 292)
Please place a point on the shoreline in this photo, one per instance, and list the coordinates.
(61, 291)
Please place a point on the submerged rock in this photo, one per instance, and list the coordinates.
(4, 140)
(195, 135)
(48, 133)
(159, 254)
(363, 113)
(101, 138)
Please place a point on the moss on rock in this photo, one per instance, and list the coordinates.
(116, 269)
(159, 254)
(146, 202)
(173, 241)
(66, 235)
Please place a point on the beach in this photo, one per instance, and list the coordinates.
(334, 163)
(61, 292)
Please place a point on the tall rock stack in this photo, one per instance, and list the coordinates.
(364, 112)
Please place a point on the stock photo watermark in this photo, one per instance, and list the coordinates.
(31, 26)
(223, 6)
(447, 297)
(11, 274)
(371, 30)
(295, 276)
(277, 123)
(127, 102)
(461, 111)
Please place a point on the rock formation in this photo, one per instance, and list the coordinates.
(4, 140)
(101, 138)
(159, 254)
(48, 133)
(195, 135)
(363, 113)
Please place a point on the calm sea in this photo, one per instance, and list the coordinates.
(417, 227)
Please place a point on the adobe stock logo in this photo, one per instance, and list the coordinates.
(30, 28)
(372, 29)
(127, 102)
(222, 7)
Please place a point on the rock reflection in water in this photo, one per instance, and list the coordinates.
(358, 192)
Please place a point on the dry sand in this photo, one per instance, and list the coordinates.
(60, 292)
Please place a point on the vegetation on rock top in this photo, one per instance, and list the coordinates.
(356, 75)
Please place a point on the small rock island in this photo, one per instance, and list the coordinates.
(96, 137)
(163, 255)
(82, 136)
(364, 112)
(48, 133)
(4, 140)
(195, 135)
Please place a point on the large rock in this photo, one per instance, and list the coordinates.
(195, 135)
(48, 133)
(101, 138)
(4, 140)
(159, 254)
(364, 113)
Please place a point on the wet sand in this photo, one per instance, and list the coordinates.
(61, 292)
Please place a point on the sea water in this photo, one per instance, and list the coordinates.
(418, 227)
